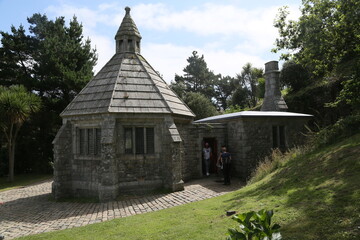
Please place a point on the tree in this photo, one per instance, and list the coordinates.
(224, 87)
(326, 34)
(294, 76)
(200, 105)
(325, 41)
(197, 77)
(248, 80)
(16, 105)
(54, 60)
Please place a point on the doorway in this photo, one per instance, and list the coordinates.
(214, 155)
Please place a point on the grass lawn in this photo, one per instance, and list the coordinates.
(22, 180)
(315, 196)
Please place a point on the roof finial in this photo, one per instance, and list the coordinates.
(127, 9)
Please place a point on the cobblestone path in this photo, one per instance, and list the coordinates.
(30, 210)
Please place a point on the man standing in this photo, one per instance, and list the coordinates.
(206, 156)
(226, 162)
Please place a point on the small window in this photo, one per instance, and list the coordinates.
(97, 141)
(82, 142)
(121, 45)
(150, 144)
(139, 140)
(130, 45)
(278, 133)
(128, 140)
(89, 141)
(91, 144)
(275, 136)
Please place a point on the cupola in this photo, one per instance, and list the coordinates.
(128, 36)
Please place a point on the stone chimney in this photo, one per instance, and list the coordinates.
(273, 101)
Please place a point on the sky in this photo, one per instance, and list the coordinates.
(228, 33)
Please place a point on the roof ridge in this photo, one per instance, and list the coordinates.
(156, 86)
(116, 83)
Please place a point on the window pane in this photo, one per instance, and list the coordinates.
(82, 142)
(150, 143)
(91, 144)
(139, 140)
(282, 136)
(97, 141)
(128, 140)
(275, 136)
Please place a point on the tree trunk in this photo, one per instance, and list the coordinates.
(11, 149)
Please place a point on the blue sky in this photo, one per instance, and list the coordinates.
(228, 33)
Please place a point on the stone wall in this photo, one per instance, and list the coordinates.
(250, 140)
(62, 185)
(192, 136)
(142, 172)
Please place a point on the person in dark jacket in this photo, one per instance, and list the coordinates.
(226, 163)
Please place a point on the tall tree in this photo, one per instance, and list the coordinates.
(248, 80)
(224, 88)
(16, 105)
(326, 34)
(52, 59)
(197, 77)
(325, 40)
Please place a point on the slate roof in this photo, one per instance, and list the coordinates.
(245, 114)
(126, 84)
(128, 26)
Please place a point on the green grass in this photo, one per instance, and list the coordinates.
(22, 180)
(315, 195)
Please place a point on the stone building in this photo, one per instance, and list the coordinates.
(128, 131)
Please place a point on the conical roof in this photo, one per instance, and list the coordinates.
(128, 26)
(127, 84)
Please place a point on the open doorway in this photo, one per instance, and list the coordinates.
(214, 155)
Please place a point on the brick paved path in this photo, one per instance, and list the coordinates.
(30, 210)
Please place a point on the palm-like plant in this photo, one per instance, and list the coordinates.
(16, 105)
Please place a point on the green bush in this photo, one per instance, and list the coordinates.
(255, 226)
(344, 127)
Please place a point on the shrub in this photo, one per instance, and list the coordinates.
(255, 226)
(276, 160)
(344, 127)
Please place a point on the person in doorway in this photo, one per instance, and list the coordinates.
(226, 163)
(206, 156)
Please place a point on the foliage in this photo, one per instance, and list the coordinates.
(276, 160)
(197, 77)
(343, 128)
(248, 81)
(200, 105)
(240, 97)
(55, 61)
(294, 76)
(261, 88)
(16, 106)
(325, 40)
(224, 88)
(326, 34)
(255, 226)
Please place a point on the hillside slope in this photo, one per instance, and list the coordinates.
(315, 196)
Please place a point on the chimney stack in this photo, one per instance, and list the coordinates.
(273, 101)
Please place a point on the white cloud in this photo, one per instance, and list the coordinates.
(230, 35)
(169, 59)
